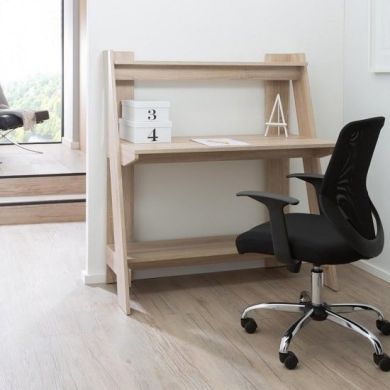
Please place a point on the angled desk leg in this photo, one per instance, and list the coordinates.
(120, 194)
(312, 165)
(118, 182)
(110, 273)
(128, 206)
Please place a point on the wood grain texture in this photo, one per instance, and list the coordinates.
(126, 58)
(277, 169)
(255, 142)
(273, 88)
(55, 158)
(179, 252)
(42, 213)
(182, 149)
(42, 185)
(303, 103)
(121, 71)
(125, 91)
(116, 183)
(146, 72)
(128, 69)
(184, 333)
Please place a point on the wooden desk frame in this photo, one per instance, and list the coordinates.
(123, 254)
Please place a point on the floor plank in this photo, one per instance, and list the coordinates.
(56, 158)
(184, 333)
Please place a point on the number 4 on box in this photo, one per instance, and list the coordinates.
(153, 136)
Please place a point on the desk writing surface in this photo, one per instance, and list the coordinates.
(183, 149)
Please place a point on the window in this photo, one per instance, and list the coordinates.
(31, 63)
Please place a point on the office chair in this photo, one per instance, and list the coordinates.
(344, 232)
(11, 119)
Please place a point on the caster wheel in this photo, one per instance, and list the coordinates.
(249, 324)
(383, 326)
(383, 361)
(289, 360)
(304, 297)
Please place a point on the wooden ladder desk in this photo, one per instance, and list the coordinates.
(123, 253)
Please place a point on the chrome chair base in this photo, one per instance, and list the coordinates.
(313, 309)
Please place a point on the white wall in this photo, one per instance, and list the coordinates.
(198, 199)
(368, 94)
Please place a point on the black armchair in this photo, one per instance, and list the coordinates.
(344, 232)
(11, 119)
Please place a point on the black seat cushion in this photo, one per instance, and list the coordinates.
(312, 238)
(8, 122)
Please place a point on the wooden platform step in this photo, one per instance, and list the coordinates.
(42, 184)
(42, 198)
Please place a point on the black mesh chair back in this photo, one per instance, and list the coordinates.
(344, 198)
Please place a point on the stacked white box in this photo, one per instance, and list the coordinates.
(145, 132)
(145, 121)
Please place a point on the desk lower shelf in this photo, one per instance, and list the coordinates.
(165, 253)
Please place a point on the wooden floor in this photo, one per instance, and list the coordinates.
(56, 158)
(56, 333)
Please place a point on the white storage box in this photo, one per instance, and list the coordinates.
(145, 132)
(145, 111)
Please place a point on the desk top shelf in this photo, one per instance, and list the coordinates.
(126, 68)
(184, 149)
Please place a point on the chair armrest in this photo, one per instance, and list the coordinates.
(312, 178)
(270, 199)
(275, 204)
(41, 116)
(315, 179)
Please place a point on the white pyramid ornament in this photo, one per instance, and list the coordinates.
(280, 122)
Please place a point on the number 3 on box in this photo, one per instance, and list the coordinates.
(153, 135)
(152, 115)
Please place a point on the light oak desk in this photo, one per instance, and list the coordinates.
(281, 74)
(141, 255)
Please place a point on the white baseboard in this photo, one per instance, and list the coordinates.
(71, 144)
(373, 270)
(93, 278)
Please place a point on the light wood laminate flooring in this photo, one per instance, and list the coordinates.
(184, 333)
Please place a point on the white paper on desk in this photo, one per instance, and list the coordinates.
(219, 142)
